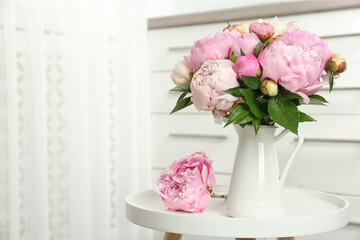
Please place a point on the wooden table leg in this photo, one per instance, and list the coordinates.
(172, 236)
(287, 238)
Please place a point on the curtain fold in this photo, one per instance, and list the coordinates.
(74, 118)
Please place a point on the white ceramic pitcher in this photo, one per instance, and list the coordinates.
(256, 185)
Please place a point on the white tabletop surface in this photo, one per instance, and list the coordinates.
(307, 212)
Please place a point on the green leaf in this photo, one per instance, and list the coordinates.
(284, 112)
(331, 81)
(296, 102)
(289, 95)
(234, 91)
(181, 104)
(252, 82)
(181, 97)
(313, 101)
(233, 57)
(185, 87)
(256, 124)
(241, 52)
(255, 106)
(263, 100)
(246, 119)
(318, 97)
(238, 113)
(305, 118)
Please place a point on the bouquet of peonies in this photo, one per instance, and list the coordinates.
(257, 74)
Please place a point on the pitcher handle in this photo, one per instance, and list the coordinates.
(293, 154)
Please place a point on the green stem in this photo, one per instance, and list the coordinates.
(331, 81)
(213, 195)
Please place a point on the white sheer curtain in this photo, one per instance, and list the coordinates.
(73, 118)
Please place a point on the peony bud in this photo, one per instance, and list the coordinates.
(258, 73)
(247, 65)
(269, 87)
(263, 30)
(181, 73)
(242, 28)
(336, 64)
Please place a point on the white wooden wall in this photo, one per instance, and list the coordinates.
(330, 158)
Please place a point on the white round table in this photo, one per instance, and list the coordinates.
(307, 212)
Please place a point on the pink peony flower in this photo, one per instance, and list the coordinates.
(181, 73)
(245, 42)
(263, 30)
(211, 48)
(247, 65)
(184, 185)
(209, 82)
(296, 60)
